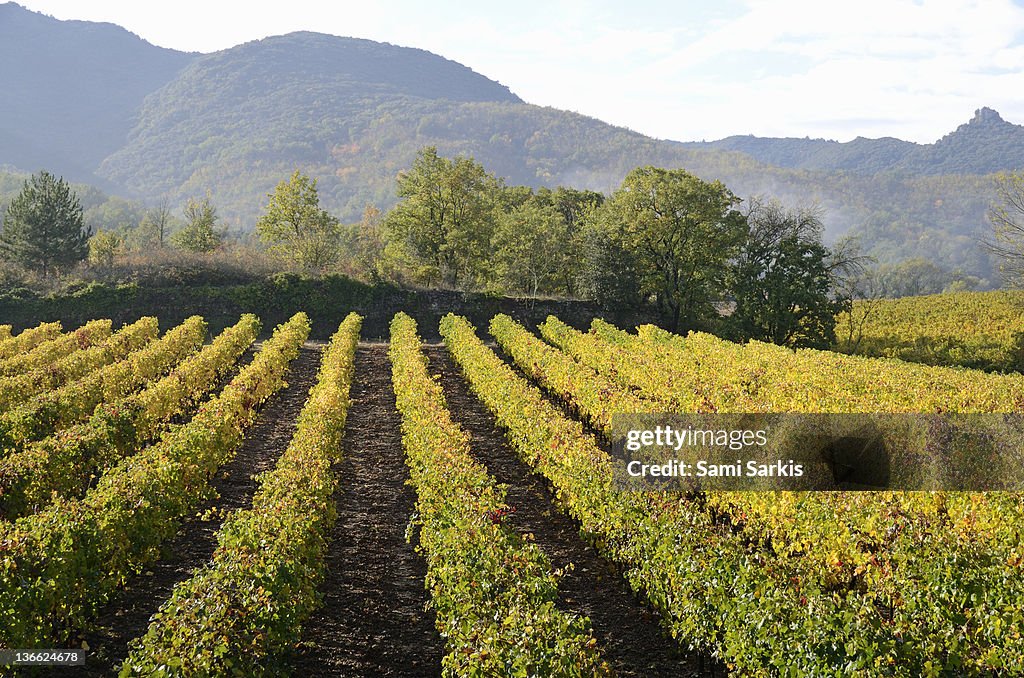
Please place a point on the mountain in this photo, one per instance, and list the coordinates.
(256, 111)
(71, 89)
(100, 105)
(983, 145)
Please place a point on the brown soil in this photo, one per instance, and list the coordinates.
(374, 621)
(127, 615)
(628, 632)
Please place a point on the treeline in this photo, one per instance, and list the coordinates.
(665, 239)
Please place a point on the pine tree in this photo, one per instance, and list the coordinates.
(43, 229)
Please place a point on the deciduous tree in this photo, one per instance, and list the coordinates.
(680, 232)
(297, 229)
(1006, 215)
(104, 247)
(200, 233)
(441, 228)
(363, 247)
(576, 207)
(783, 280)
(154, 228)
(531, 247)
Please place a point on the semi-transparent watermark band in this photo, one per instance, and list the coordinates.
(772, 451)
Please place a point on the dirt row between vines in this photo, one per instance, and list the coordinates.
(374, 621)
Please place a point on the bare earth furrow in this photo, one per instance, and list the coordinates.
(374, 620)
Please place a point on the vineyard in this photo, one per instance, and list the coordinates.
(969, 329)
(175, 504)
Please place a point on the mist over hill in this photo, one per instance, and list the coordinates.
(100, 105)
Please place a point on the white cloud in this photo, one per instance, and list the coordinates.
(871, 62)
(683, 70)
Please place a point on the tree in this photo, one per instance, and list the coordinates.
(576, 207)
(783, 280)
(43, 228)
(153, 229)
(114, 214)
(856, 280)
(610, 273)
(1006, 215)
(200, 233)
(104, 247)
(680, 233)
(441, 228)
(917, 276)
(573, 204)
(530, 246)
(297, 229)
(536, 245)
(363, 247)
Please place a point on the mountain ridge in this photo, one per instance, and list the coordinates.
(983, 145)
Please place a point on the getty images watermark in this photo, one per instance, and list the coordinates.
(800, 452)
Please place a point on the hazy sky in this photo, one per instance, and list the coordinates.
(679, 70)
